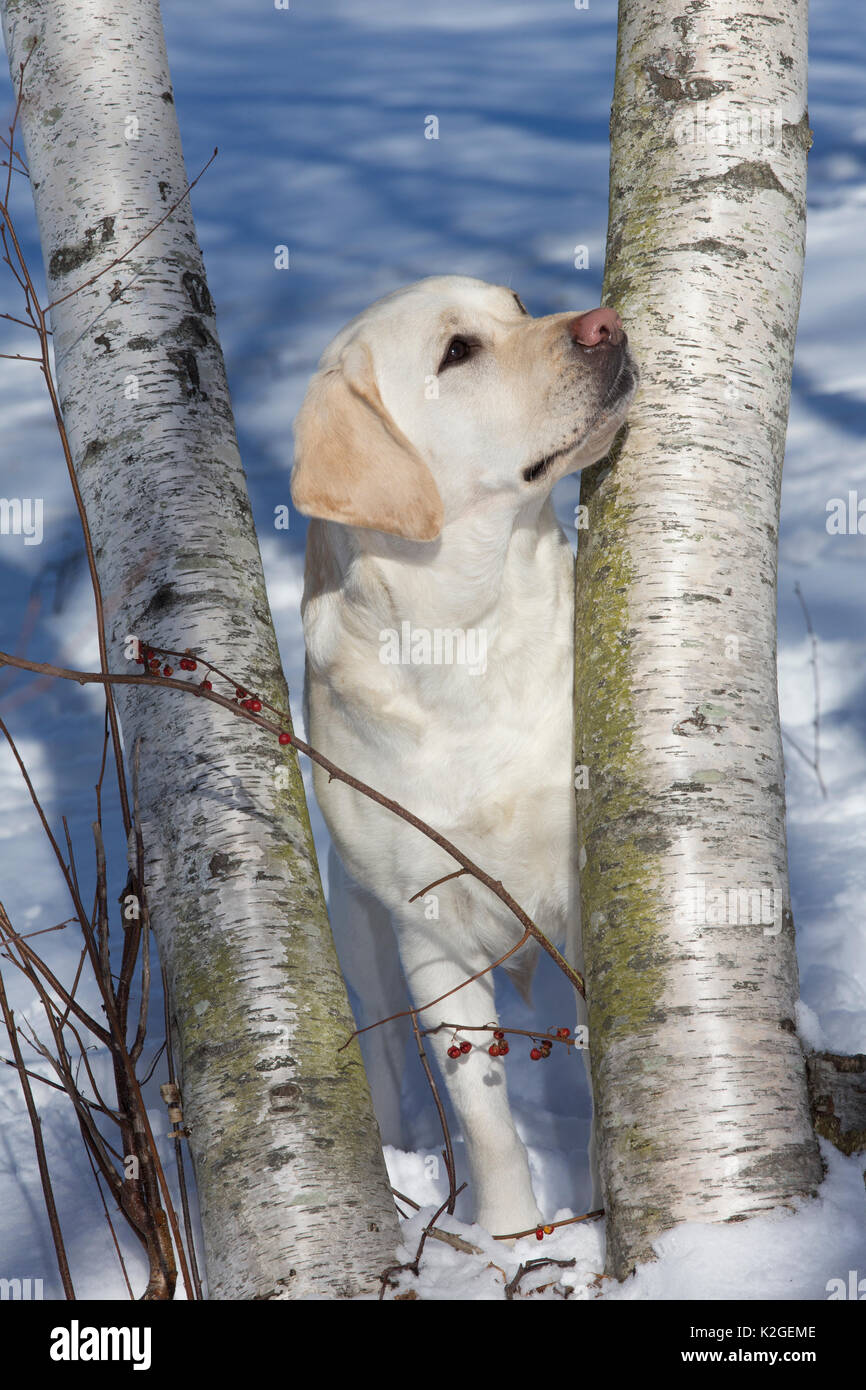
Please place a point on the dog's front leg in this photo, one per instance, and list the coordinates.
(477, 1086)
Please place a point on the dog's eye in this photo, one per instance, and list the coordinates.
(458, 350)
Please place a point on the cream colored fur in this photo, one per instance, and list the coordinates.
(414, 474)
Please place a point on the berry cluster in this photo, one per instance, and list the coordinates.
(499, 1047)
(545, 1045)
(543, 1231)
(248, 701)
(148, 658)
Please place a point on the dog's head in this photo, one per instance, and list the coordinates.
(448, 396)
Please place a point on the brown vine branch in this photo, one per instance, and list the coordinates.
(469, 866)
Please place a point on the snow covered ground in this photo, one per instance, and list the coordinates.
(319, 115)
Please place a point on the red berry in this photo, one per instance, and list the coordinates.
(465, 1046)
(254, 705)
(499, 1035)
(191, 665)
(539, 1234)
(153, 664)
(563, 1032)
(206, 685)
(167, 670)
(535, 1054)
(285, 738)
(240, 692)
(503, 1049)
(493, 1049)
(454, 1053)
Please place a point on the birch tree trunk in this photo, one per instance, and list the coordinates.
(698, 1072)
(291, 1180)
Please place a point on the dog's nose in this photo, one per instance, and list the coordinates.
(596, 326)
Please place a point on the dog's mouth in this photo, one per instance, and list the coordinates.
(619, 392)
(623, 385)
(538, 470)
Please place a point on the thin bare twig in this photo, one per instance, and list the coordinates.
(530, 1267)
(36, 1126)
(413, 1265)
(38, 314)
(815, 761)
(458, 873)
(115, 1241)
(448, 1154)
(554, 1225)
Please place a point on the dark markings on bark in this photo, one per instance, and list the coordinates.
(141, 344)
(278, 1158)
(191, 330)
(837, 1098)
(799, 133)
(198, 293)
(92, 450)
(103, 341)
(220, 865)
(186, 367)
(671, 88)
(737, 22)
(67, 258)
(749, 176)
(274, 1063)
(711, 246)
(696, 723)
(286, 1096)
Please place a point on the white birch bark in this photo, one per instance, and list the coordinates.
(291, 1179)
(692, 978)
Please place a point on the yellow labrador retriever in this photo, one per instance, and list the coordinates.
(438, 619)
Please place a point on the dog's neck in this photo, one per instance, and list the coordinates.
(460, 579)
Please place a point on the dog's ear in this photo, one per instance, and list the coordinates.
(352, 463)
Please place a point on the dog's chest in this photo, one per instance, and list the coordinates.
(473, 736)
(484, 753)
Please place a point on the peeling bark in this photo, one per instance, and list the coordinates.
(698, 1072)
(291, 1179)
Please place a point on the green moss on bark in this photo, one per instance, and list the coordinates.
(618, 835)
